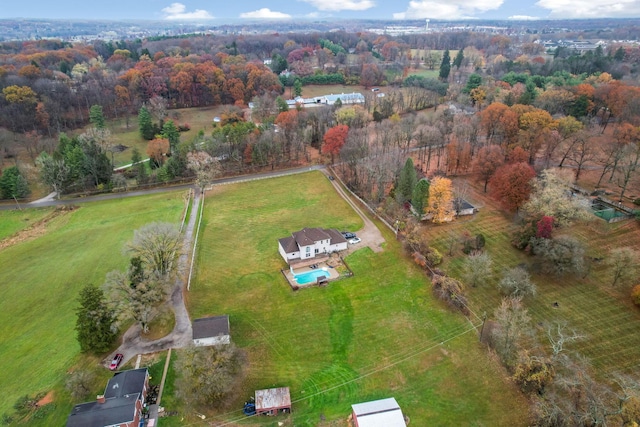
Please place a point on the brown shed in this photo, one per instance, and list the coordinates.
(271, 401)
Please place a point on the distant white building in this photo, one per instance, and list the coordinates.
(345, 98)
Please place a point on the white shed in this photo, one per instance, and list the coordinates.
(378, 413)
(211, 331)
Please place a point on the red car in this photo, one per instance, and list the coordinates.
(117, 359)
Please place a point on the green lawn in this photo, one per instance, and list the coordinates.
(40, 281)
(377, 334)
(16, 220)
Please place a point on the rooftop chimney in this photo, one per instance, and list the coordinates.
(101, 398)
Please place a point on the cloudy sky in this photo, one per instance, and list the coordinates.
(224, 10)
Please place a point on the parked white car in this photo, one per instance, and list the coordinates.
(355, 240)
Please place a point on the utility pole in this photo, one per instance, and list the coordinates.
(484, 319)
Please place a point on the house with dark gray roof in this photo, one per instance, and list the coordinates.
(211, 331)
(120, 406)
(310, 243)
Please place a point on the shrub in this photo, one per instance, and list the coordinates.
(450, 291)
(434, 257)
(517, 283)
(533, 373)
(184, 127)
(635, 295)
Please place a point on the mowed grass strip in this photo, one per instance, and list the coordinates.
(13, 221)
(377, 334)
(587, 303)
(41, 278)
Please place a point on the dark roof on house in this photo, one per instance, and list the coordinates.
(208, 327)
(273, 398)
(113, 411)
(308, 236)
(289, 244)
(461, 204)
(120, 396)
(126, 383)
(335, 235)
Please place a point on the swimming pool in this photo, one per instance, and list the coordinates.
(311, 276)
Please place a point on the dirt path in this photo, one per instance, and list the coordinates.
(370, 234)
(181, 336)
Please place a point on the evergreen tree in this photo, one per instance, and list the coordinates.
(406, 182)
(445, 67)
(297, 88)
(96, 116)
(95, 320)
(281, 104)
(619, 55)
(420, 197)
(171, 132)
(145, 123)
(13, 184)
(457, 61)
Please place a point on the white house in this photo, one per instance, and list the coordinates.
(311, 242)
(378, 413)
(210, 331)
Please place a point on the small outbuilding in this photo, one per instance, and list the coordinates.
(462, 207)
(378, 413)
(210, 331)
(272, 401)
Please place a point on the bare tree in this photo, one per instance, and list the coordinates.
(558, 336)
(205, 167)
(624, 264)
(516, 282)
(159, 246)
(513, 325)
(477, 268)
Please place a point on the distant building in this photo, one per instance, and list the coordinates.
(120, 405)
(378, 413)
(462, 207)
(345, 98)
(210, 331)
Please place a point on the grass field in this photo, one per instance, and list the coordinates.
(588, 304)
(375, 335)
(13, 221)
(40, 281)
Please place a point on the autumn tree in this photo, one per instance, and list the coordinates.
(334, 139)
(440, 200)
(511, 184)
(487, 161)
(157, 150)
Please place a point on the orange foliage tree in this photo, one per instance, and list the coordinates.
(511, 184)
(334, 139)
(487, 161)
(157, 150)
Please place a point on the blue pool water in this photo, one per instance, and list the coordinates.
(310, 276)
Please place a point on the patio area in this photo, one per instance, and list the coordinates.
(318, 273)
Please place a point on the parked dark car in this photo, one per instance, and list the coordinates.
(348, 235)
(117, 360)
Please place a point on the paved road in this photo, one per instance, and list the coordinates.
(113, 196)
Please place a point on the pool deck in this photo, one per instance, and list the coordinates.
(332, 274)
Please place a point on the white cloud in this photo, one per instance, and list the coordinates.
(523, 18)
(447, 9)
(591, 9)
(177, 11)
(337, 5)
(265, 13)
